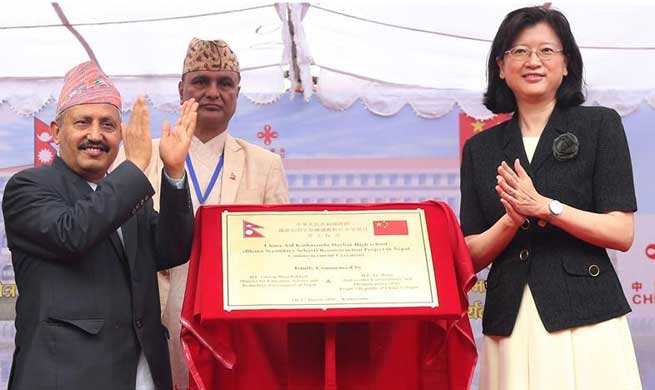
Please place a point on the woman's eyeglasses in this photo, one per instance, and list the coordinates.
(522, 53)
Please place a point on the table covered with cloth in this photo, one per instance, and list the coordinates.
(371, 352)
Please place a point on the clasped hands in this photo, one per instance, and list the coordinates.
(518, 195)
(174, 142)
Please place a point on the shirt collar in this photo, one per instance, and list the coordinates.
(214, 146)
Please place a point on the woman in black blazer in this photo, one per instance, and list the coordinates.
(543, 196)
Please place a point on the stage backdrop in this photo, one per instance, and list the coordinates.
(356, 156)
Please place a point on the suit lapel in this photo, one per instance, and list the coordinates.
(232, 170)
(130, 237)
(118, 245)
(513, 144)
(83, 188)
(544, 151)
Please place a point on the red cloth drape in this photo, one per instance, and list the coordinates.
(422, 353)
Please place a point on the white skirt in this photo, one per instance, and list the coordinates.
(592, 357)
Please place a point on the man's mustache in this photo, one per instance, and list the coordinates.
(93, 144)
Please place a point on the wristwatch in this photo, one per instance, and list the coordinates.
(555, 207)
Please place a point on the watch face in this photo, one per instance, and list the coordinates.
(555, 207)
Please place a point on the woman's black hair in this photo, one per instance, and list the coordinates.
(499, 98)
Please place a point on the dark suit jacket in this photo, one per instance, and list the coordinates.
(88, 304)
(557, 266)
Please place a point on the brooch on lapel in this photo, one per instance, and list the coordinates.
(233, 176)
(565, 147)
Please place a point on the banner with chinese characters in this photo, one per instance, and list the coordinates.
(354, 156)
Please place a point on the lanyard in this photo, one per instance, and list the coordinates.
(194, 179)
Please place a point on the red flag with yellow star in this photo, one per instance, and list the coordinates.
(469, 126)
(390, 228)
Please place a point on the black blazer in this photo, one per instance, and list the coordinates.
(558, 267)
(88, 304)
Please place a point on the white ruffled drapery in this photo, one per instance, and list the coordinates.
(335, 91)
(338, 91)
(28, 97)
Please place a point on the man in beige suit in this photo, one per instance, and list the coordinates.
(222, 169)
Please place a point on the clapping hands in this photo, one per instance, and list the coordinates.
(174, 143)
(136, 135)
(517, 193)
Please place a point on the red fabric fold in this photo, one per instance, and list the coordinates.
(379, 353)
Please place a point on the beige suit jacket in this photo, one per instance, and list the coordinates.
(251, 175)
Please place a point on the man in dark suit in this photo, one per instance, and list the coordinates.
(86, 245)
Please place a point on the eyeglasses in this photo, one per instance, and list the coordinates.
(522, 53)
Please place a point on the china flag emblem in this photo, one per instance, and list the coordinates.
(390, 228)
(469, 126)
(249, 230)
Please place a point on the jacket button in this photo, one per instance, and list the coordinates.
(525, 225)
(138, 323)
(594, 270)
(524, 254)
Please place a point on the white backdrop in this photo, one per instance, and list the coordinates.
(428, 54)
